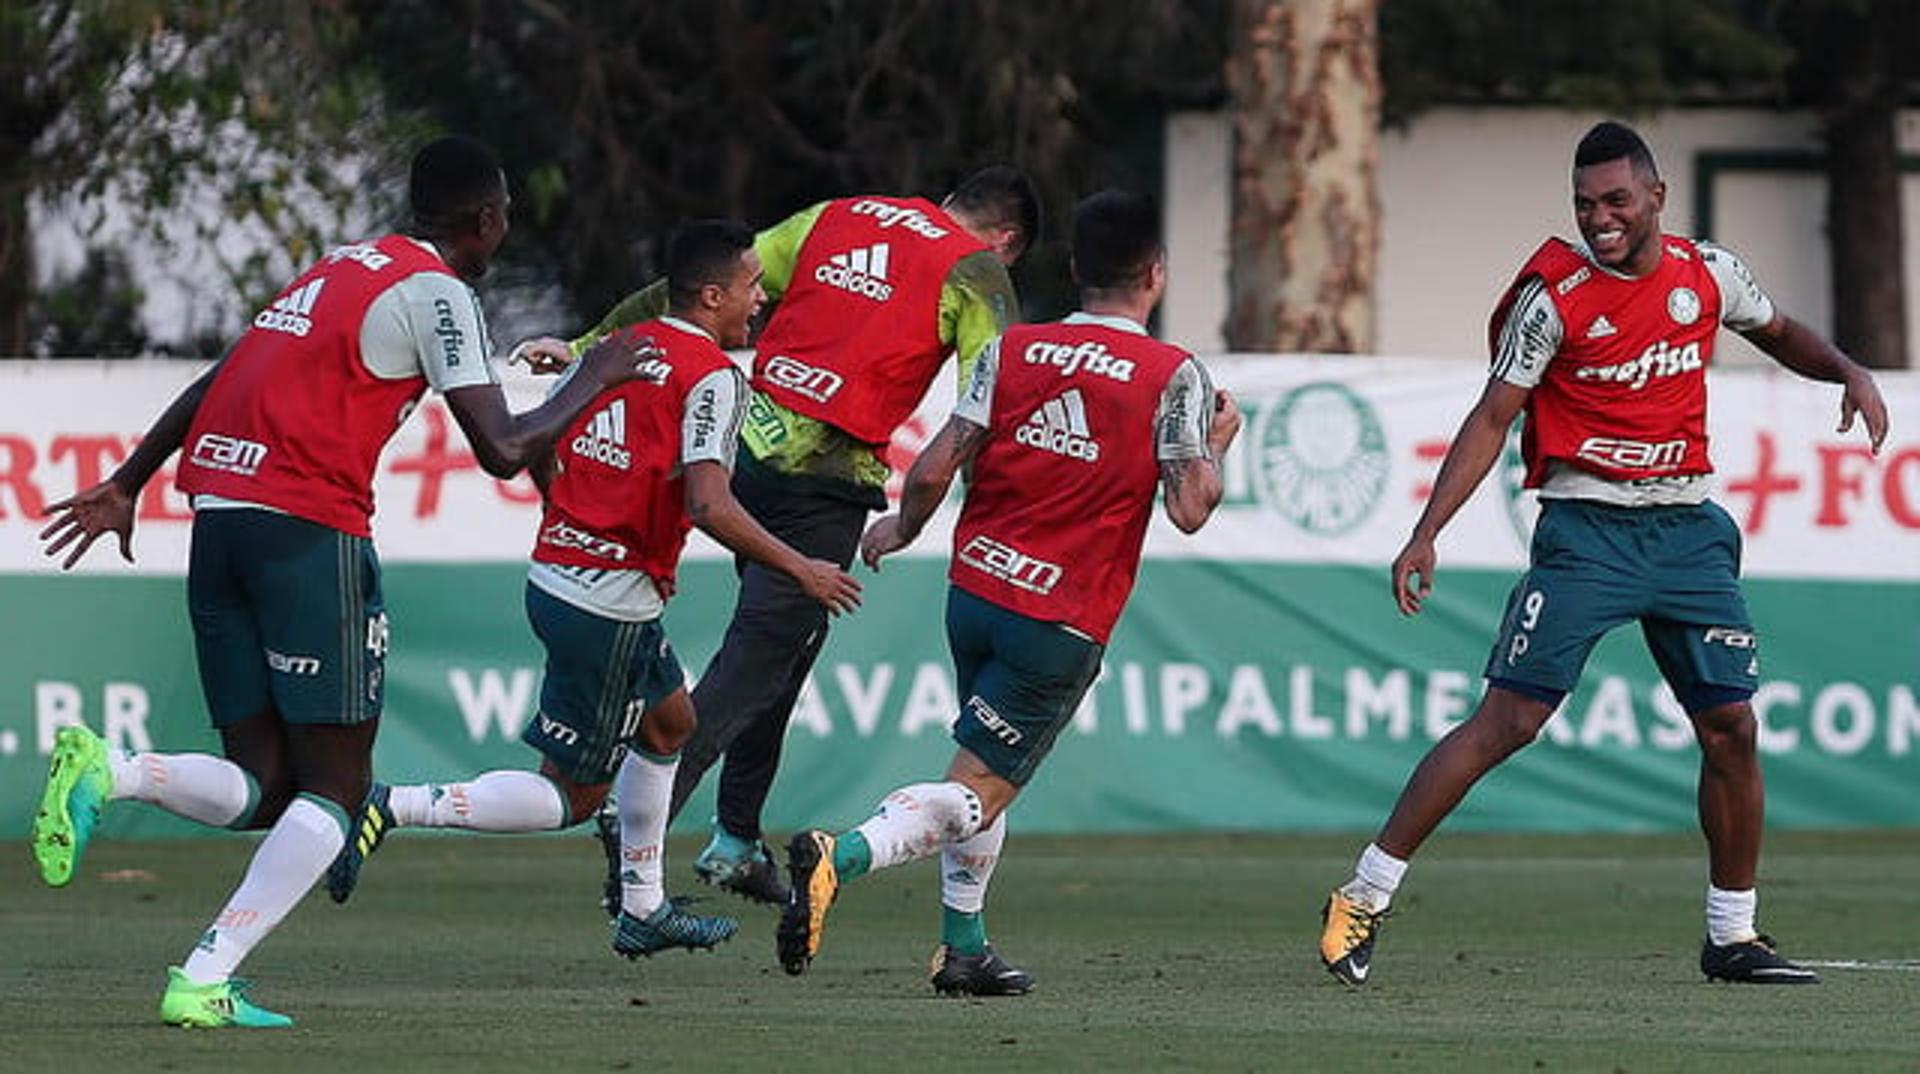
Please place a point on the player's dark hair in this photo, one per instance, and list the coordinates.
(703, 252)
(1116, 239)
(450, 177)
(1000, 196)
(1611, 141)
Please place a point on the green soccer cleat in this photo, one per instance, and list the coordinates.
(214, 1006)
(370, 829)
(669, 927)
(815, 884)
(78, 784)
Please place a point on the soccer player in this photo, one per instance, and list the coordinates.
(1068, 428)
(874, 292)
(641, 464)
(282, 437)
(1605, 347)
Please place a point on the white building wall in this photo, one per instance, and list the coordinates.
(1467, 193)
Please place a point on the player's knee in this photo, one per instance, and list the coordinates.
(1727, 732)
(953, 809)
(583, 800)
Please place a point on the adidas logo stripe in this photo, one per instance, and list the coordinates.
(292, 312)
(605, 437)
(1060, 426)
(862, 271)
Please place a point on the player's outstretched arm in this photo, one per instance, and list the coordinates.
(1193, 487)
(927, 481)
(1482, 435)
(504, 442)
(108, 507)
(1802, 350)
(711, 506)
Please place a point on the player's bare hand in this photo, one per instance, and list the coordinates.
(1862, 397)
(84, 517)
(882, 539)
(1413, 574)
(620, 357)
(1225, 424)
(831, 586)
(542, 355)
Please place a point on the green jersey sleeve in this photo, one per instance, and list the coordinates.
(977, 303)
(779, 248)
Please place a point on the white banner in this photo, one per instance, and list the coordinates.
(1336, 459)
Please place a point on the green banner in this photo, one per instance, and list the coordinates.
(1235, 696)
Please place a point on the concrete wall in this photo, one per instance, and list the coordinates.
(1468, 193)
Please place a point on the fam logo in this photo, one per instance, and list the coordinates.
(1320, 458)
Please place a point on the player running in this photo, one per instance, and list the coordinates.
(282, 438)
(1068, 428)
(1605, 347)
(643, 463)
(874, 292)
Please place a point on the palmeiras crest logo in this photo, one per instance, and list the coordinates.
(1523, 504)
(1320, 458)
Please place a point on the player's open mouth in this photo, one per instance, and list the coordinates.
(1608, 241)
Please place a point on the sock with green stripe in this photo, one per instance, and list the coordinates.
(851, 855)
(288, 862)
(966, 868)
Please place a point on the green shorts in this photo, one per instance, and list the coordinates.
(287, 615)
(1674, 569)
(1019, 681)
(602, 676)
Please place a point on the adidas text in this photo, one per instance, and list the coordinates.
(605, 437)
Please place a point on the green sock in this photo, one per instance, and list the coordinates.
(851, 855)
(965, 933)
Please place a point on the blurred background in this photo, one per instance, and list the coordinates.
(1346, 176)
(1348, 186)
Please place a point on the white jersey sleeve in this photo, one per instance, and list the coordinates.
(710, 422)
(1185, 414)
(428, 324)
(1744, 306)
(976, 402)
(1530, 338)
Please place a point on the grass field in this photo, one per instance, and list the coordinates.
(1507, 953)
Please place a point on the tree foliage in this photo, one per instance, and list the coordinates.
(182, 121)
(618, 119)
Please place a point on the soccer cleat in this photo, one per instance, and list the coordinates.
(815, 883)
(755, 877)
(984, 974)
(606, 827)
(214, 1006)
(669, 927)
(369, 830)
(1346, 943)
(78, 783)
(1752, 961)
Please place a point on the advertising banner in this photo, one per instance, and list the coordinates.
(1261, 678)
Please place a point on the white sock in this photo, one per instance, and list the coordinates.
(917, 820)
(967, 866)
(1730, 915)
(197, 786)
(508, 800)
(1375, 878)
(644, 790)
(296, 851)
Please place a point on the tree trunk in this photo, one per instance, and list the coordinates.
(16, 267)
(1863, 196)
(1304, 79)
